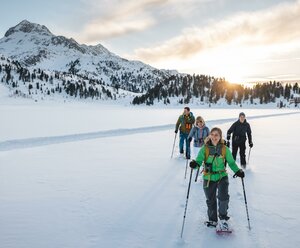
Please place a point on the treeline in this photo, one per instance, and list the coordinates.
(139, 80)
(40, 82)
(181, 89)
(210, 90)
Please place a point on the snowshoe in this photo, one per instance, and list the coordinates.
(223, 227)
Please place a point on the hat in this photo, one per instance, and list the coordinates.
(242, 113)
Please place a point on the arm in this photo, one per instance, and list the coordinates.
(230, 160)
(207, 130)
(230, 130)
(193, 119)
(249, 133)
(192, 132)
(201, 156)
(177, 124)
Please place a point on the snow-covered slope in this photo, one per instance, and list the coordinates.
(123, 190)
(38, 84)
(34, 46)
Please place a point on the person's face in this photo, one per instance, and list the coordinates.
(200, 123)
(215, 137)
(186, 112)
(242, 118)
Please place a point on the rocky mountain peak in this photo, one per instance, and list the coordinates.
(28, 27)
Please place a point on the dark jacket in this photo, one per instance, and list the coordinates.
(239, 131)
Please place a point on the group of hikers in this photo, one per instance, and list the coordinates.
(212, 153)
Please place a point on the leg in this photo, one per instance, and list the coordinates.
(211, 200)
(181, 141)
(188, 149)
(223, 198)
(234, 150)
(243, 154)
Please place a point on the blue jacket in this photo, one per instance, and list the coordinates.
(196, 133)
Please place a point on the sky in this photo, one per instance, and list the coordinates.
(241, 40)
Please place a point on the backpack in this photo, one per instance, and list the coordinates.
(209, 173)
(223, 152)
(188, 126)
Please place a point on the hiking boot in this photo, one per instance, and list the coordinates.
(223, 225)
(211, 223)
(181, 155)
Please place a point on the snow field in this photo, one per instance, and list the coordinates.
(125, 191)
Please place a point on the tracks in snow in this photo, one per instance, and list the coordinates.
(44, 141)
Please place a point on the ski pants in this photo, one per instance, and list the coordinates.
(242, 147)
(211, 198)
(184, 138)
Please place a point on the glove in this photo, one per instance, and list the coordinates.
(193, 164)
(228, 137)
(228, 143)
(251, 144)
(240, 173)
(176, 131)
(190, 139)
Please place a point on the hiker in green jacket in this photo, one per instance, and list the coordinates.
(215, 178)
(184, 124)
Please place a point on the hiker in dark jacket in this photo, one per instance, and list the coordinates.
(239, 129)
(184, 124)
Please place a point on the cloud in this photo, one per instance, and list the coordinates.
(275, 25)
(123, 17)
(103, 29)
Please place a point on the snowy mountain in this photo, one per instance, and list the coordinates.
(34, 46)
(38, 84)
(37, 64)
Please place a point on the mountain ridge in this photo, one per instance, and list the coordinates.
(34, 46)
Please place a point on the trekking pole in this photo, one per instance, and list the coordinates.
(249, 155)
(186, 165)
(246, 203)
(173, 145)
(186, 203)
(197, 174)
(187, 160)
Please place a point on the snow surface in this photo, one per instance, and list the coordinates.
(22, 118)
(119, 188)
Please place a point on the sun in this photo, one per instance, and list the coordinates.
(235, 79)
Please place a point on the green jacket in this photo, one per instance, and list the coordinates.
(218, 166)
(185, 122)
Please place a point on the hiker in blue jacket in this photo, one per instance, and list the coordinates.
(199, 132)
